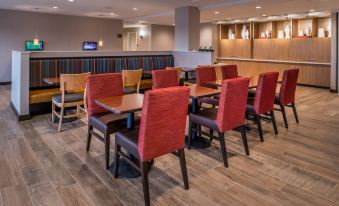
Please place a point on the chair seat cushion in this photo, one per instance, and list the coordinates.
(277, 99)
(206, 118)
(128, 139)
(211, 101)
(130, 90)
(251, 93)
(108, 122)
(250, 106)
(72, 97)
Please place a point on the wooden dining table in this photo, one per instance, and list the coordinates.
(54, 81)
(218, 83)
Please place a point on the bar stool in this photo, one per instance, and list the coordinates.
(72, 87)
(131, 80)
(230, 114)
(263, 102)
(107, 123)
(286, 96)
(162, 131)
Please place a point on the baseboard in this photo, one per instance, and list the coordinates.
(333, 91)
(5, 83)
(313, 86)
(20, 117)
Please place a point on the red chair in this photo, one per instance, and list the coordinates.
(162, 131)
(229, 71)
(230, 114)
(263, 102)
(287, 93)
(205, 74)
(101, 86)
(165, 78)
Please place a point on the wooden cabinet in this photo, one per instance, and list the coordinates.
(239, 48)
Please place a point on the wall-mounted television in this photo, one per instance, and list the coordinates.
(90, 46)
(30, 46)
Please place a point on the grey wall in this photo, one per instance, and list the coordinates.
(59, 32)
(162, 38)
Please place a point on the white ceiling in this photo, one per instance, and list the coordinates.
(162, 11)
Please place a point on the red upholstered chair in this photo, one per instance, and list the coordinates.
(162, 131)
(286, 96)
(230, 114)
(165, 78)
(205, 74)
(263, 102)
(229, 71)
(101, 86)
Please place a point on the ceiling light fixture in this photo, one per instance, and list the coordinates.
(216, 12)
(55, 7)
(135, 9)
(71, 0)
(264, 15)
(311, 10)
(258, 7)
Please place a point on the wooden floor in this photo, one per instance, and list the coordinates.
(300, 166)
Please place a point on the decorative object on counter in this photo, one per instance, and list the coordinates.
(308, 32)
(263, 35)
(231, 34)
(321, 32)
(287, 32)
(300, 33)
(244, 32)
(280, 34)
(268, 33)
(329, 29)
(205, 49)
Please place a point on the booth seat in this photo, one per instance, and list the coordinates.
(43, 95)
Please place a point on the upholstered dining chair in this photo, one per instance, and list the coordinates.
(229, 71)
(205, 74)
(107, 123)
(230, 114)
(72, 87)
(161, 132)
(178, 69)
(263, 101)
(164, 78)
(131, 79)
(286, 96)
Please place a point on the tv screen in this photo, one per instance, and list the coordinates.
(29, 46)
(91, 46)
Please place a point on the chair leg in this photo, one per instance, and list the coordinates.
(181, 153)
(107, 149)
(223, 148)
(211, 133)
(116, 160)
(283, 111)
(145, 185)
(258, 121)
(89, 137)
(274, 122)
(53, 115)
(61, 118)
(295, 112)
(244, 140)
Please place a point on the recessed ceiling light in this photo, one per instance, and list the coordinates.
(311, 10)
(55, 7)
(264, 15)
(112, 14)
(173, 24)
(258, 7)
(71, 0)
(216, 12)
(135, 9)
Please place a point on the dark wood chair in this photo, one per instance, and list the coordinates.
(101, 86)
(286, 96)
(263, 101)
(230, 114)
(161, 131)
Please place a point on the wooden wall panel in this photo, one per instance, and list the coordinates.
(314, 75)
(239, 48)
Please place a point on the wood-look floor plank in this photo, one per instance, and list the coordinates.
(73, 196)
(15, 196)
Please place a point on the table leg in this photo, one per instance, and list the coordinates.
(198, 141)
(130, 120)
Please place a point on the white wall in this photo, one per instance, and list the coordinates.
(206, 32)
(59, 32)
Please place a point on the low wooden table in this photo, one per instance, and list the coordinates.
(196, 93)
(52, 81)
(125, 104)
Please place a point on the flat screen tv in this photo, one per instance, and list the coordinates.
(90, 46)
(29, 46)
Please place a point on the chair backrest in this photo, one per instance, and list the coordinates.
(101, 86)
(73, 82)
(178, 69)
(232, 103)
(205, 74)
(265, 92)
(288, 86)
(162, 127)
(164, 78)
(229, 71)
(131, 77)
